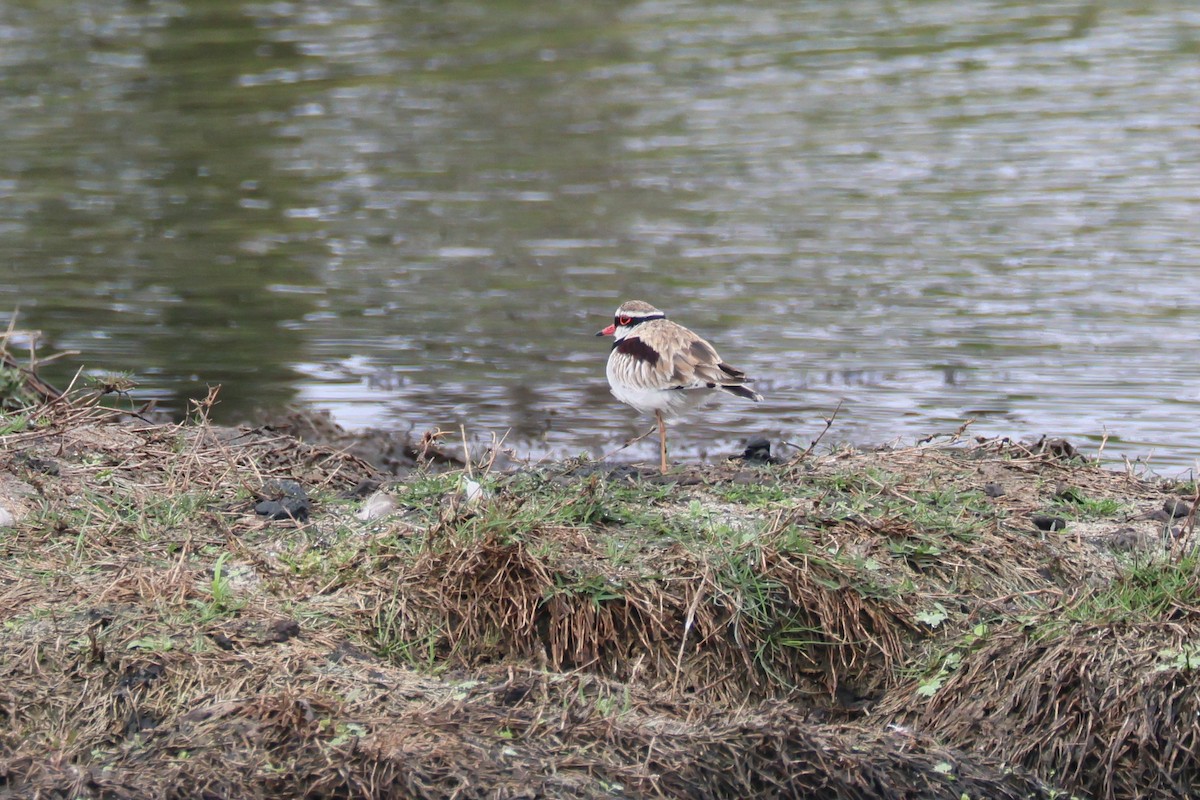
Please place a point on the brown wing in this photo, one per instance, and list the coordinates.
(693, 361)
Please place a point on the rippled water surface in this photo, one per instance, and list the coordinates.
(416, 214)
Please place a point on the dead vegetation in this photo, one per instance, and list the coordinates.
(1111, 708)
(854, 625)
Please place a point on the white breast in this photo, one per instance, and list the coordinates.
(633, 384)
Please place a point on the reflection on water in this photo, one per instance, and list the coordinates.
(417, 214)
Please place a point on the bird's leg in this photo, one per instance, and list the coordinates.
(662, 438)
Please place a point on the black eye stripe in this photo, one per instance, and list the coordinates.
(630, 321)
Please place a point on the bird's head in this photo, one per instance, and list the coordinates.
(630, 314)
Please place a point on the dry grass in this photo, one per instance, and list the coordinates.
(585, 630)
(1099, 692)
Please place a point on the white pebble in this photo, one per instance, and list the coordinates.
(377, 505)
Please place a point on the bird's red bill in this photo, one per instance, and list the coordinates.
(609, 331)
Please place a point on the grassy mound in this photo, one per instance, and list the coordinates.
(855, 625)
(1099, 693)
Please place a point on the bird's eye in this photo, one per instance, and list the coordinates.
(624, 320)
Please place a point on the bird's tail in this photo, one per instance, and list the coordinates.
(743, 391)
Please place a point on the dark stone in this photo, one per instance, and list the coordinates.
(1176, 508)
(758, 451)
(269, 508)
(1045, 522)
(993, 489)
(281, 630)
(296, 508)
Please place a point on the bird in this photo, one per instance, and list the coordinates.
(658, 366)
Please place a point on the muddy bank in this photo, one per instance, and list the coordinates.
(981, 620)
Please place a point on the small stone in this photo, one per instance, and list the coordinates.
(6, 517)
(472, 492)
(286, 500)
(472, 489)
(268, 508)
(993, 489)
(758, 451)
(1176, 508)
(1045, 522)
(296, 508)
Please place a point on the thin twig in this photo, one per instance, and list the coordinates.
(961, 430)
(889, 490)
(497, 443)
(462, 430)
(951, 438)
(828, 424)
(632, 441)
(687, 626)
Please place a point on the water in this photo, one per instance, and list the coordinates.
(416, 214)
